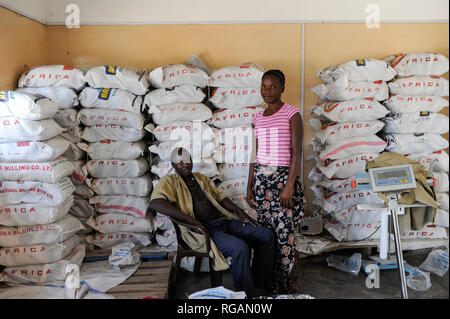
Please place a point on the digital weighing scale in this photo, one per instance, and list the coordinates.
(390, 180)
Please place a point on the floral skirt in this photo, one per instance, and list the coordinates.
(268, 182)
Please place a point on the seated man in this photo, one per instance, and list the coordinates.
(192, 198)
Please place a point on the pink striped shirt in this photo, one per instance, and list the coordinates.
(273, 133)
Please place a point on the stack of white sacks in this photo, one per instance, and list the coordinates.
(345, 123)
(116, 169)
(414, 125)
(237, 98)
(67, 99)
(38, 238)
(179, 120)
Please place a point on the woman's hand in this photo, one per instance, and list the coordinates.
(251, 199)
(286, 196)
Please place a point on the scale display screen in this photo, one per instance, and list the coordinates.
(392, 178)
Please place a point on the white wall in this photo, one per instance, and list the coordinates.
(229, 11)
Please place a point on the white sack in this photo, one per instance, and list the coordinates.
(63, 96)
(118, 77)
(181, 130)
(177, 74)
(72, 134)
(74, 153)
(26, 106)
(82, 209)
(239, 135)
(233, 98)
(38, 151)
(352, 146)
(441, 218)
(139, 186)
(163, 168)
(234, 117)
(333, 132)
(15, 192)
(114, 223)
(346, 167)
(423, 122)
(419, 85)
(338, 185)
(336, 202)
(176, 94)
(169, 113)
(13, 129)
(411, 143)
(53, 75)
(233, 187)
(233, 170)
(353, 215)
(117, 168)
(40, 234)
(49, 172)
(352, 232)
(437, 161)
(83, 191)
(25, 214)
(428, 231)
(66, 118)
(122, 204)
(38, 253)
(246, 75)
(199, 150)
(233, 153)
(442, 183)
(418, 63)
(44, 273)
(80, 174)
(107, 241)
(350, 111)
(348, 90)
(114, 149)
(241, 202)
(114, 132)
(91, 117)
(110, 99)
(442, 200)
(358, 70)
(407, 104)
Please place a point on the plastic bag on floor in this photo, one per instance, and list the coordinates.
(217, 293)
(124, 255)
(351, 265)
(418, 280)
(436, 262)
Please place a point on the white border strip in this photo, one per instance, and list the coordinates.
(243, 22)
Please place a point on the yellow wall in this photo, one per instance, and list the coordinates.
(271, 45)
(150, 46)
(23, 44)
(328, 44)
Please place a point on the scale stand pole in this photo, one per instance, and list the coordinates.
(399, 254)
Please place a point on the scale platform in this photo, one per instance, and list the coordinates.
(384, 264)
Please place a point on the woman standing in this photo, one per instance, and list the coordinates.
(274, 188)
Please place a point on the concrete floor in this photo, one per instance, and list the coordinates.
(317, 279)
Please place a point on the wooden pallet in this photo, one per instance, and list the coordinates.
(151, 280)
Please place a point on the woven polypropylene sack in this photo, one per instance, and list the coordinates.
(53, 75)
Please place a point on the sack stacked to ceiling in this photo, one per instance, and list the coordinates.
(38, 238)
(118, 180)
(415, 124)
(346, 124)
(236, 97)
(180, 118)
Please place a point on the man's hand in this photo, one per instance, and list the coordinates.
(244, 218)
